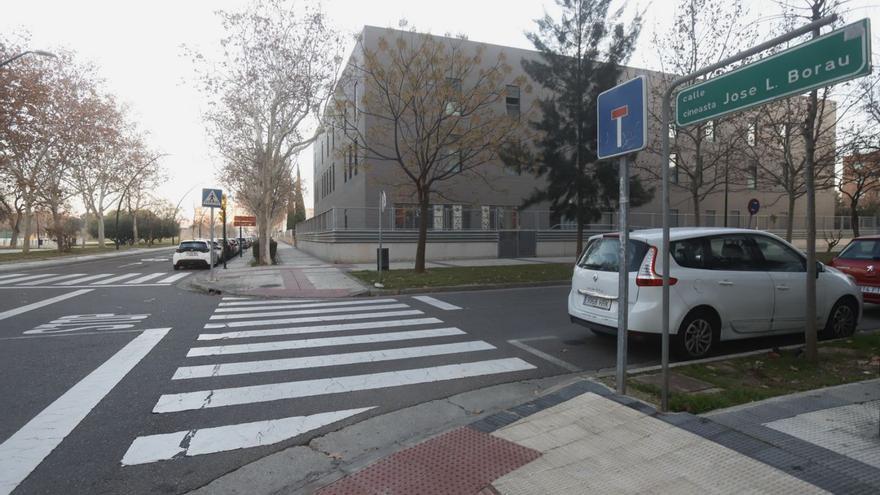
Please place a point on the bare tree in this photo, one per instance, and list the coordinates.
(277, 72)
(704, 32)
(435, 109)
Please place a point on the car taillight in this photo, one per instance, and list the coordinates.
(647, 275)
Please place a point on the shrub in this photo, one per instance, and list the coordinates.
(273, 248)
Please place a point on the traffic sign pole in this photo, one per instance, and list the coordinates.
(623, 277)
(211, 247)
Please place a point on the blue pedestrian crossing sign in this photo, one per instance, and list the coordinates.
(622, 118)
(212, 198)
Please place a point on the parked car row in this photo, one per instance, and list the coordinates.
(725, 284)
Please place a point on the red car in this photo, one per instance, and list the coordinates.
(861, 259)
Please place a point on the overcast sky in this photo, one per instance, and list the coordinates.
(137, 47)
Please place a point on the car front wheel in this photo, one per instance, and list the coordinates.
(696, 336)
(842, 320)
(176, 267)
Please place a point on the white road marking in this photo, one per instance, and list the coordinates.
(28, 277)
(363, 302)
(10, 275)
(52, 279)
(308, 388)
(130, 264)
(248, 302)
(39, 304)
(176, 276)
(280, 345)
(274, 332)
(436, 303)
(145, 278)
(305, 312)
(85, 279)
(543, 355)
(269, 365)
(167, 446)
(22, 452)
(313, 319)
(230, 298)
(115, 279)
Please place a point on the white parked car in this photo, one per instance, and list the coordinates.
(725, 284)
(194, 253)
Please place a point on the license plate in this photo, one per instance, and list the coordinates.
(870, 290)
(597, 302)
(192, 253)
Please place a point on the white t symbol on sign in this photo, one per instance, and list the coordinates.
(618, 114)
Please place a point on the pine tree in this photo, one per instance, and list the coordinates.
(580, 57)
(297, 211)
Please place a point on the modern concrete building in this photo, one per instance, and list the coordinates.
(480, 214)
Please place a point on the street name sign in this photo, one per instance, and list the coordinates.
(838, 56)
(622, 119)
(244, 221)
(212, 198)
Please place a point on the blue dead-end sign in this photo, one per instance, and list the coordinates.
(212, 198)
(754, 206)
(622, 117)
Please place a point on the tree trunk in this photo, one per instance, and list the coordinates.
(134, 228)
(101, 231)
(696, 202)
(59, 231)
(28, 218)
(16, 224)
(265, 235)
(790, 227)
(421, 243)
(854, 216)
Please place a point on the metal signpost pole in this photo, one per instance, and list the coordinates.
(664, 126)
(211, 247)
(240, 243)
(381, 259)
(623, 279)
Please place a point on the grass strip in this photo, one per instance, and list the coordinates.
(470, 276)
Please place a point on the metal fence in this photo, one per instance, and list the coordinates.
(488, 218)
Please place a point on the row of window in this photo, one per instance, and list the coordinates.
(781, 133)
(751, 172)
(740, 252)
(328, 181)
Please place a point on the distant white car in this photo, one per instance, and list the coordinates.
(194, 253)
(725, 284)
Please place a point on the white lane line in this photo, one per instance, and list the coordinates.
(115, 279)
(238, 316)
(248, 302)
(202, 399)
(282, 345)
(543, 355)
(365, 303)
(85, 279)
(274, 332)
(25, 449)
(28, 277)
(167, 446)
(436, 303)
(269, 365)
(313, 319)
(39, 304)
(230, 298)
(175, 277)
(10, 275)
(52, 279)
(145, 278)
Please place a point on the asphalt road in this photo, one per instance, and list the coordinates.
(145, 387)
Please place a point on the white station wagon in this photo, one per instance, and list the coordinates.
(725, 284)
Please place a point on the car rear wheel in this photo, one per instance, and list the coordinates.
(696, 336)
(842, 320)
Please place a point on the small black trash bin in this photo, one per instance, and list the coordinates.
(382, 257)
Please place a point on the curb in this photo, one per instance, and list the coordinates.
(463, 288)
(6, 266)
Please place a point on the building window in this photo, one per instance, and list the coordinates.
(752, 136)
(710, 218)
(350, 163)
(673, 168)
(512, 100)
(355, 102)
(752, 179)
(734, 218)
(709, 130)
(332, 177)
(327, 138)
(453, 105)
(355, 157)
(782, 129)
(672, 131)
(673, 220)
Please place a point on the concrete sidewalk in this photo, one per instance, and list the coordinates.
(585, 439)
(298, 275)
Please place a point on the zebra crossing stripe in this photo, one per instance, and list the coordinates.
(310, 305)
(437, 303)
(167, 446)
(269, 365)
(145, 278)
(280, 345)
(52, 279)
(304, 312)
(115, 279)
(85, 279)
(313, 319)
(10, 275)
(175, 277)
(249, 302)
(204, 399)
(28, 277)
(274, 332)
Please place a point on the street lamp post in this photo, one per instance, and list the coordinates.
(42, 53)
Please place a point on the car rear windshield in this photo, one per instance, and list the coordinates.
(193, 246)
(861, 249)
(601, 254)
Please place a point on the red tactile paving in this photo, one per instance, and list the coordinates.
(460, 462)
